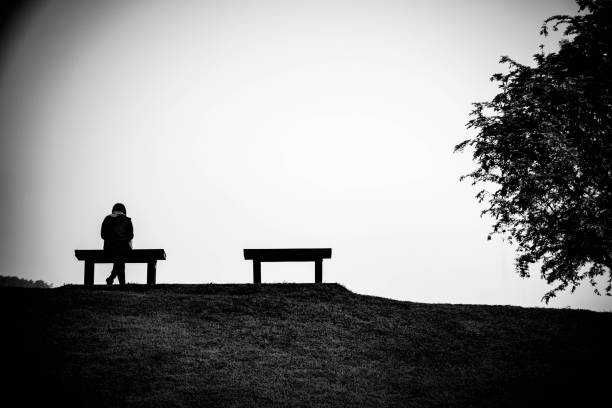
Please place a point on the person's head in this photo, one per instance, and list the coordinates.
(119, 207)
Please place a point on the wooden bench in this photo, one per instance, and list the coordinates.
(315, 255)
(94, 256)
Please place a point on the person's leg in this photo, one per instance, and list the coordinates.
(120, 272)
(108, 248)
(111, 278)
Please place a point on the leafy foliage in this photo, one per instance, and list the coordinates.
(23, 283)
(545, 143)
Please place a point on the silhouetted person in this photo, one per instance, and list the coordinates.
(117, 233)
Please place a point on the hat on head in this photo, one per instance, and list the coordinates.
(119, 207)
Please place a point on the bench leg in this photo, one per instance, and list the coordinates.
(319, 271)
(89, 273)
(151, 272)
(256, 271)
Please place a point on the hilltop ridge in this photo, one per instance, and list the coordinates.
(294, 345)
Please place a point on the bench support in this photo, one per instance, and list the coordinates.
(151, 272)
(256, 271)
(89, 273)
(319, 271)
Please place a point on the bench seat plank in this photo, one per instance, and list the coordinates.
(128, 256)
(288, 254)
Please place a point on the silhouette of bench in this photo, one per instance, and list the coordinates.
(315, 255)
(94, 256)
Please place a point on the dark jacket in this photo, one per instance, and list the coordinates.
(117, 232)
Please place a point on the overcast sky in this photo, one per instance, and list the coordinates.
(263, 124)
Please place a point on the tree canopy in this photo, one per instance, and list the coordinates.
(14, 281)
(543, 149)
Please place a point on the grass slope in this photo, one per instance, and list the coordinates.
(292, 345)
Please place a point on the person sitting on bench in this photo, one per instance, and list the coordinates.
(117, 233)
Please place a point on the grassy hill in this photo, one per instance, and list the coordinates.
(293, 345)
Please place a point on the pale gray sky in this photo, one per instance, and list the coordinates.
(261, 124)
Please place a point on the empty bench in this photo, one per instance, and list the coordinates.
(94, 256)
(315, 255)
